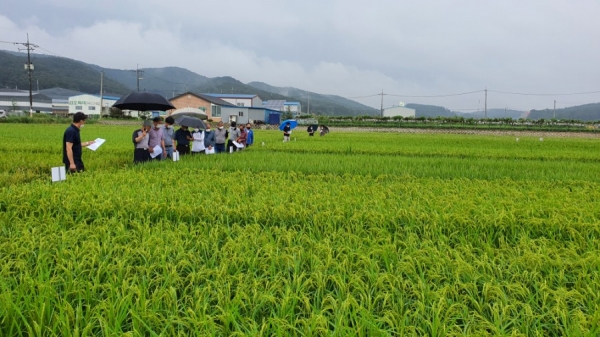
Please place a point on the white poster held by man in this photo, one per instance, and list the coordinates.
(157, 151)
(96, 144)
(176, 156)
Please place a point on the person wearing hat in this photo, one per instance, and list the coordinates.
(182, 140)
(141, 137)
(156, 138)
(72, 145)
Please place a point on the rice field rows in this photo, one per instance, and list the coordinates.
(345, 235)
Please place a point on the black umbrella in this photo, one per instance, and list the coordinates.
(324, 130)
(143, 101)
(312, 128)
(192, 122)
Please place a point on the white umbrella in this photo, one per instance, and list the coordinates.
(192, 112)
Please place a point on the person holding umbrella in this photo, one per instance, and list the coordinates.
(287, 130)
(311, 131)
(141, 138)
(182, 140)
(198, 141)
(324, 130)
(156, 138)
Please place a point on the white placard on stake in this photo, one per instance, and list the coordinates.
(176, 156)
(211, 151)
(59, 173)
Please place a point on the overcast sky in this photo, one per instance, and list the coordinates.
(349, 48)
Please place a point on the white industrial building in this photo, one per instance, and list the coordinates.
(294, 107)
(90, 104)
(399, 110)
(17, 101)
(240, 100)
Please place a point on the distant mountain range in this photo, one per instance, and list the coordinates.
(51, 71)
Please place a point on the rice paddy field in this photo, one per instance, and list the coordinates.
(351, 234)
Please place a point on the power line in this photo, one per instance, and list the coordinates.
(53, 53)
(433, 96)
(363, 96)
(528, 94)
(419, 96)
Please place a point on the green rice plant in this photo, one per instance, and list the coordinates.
(403, 235)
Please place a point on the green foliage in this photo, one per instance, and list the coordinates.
(349, 234)
(587, 112)
(54, 72)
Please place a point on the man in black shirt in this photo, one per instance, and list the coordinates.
(182, 140)
(72, 144)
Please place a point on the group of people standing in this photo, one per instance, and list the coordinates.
(154, 135)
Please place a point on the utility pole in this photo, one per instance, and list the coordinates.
(29, 68)
(101, 92)
(554, 109)
(381, 102)
(138, 76)
(485, 102)
(308, 108)
(505, 112)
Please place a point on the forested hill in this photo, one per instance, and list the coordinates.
(52, 72)
(586, 112)
(331, 105)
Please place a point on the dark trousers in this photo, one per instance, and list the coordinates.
(219, 148)
(141, 156)
(79, 167)
(183, 149)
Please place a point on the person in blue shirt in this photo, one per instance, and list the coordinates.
(250, 136)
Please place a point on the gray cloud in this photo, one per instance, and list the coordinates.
(350, 48)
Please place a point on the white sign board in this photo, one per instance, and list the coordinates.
(59, 173)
